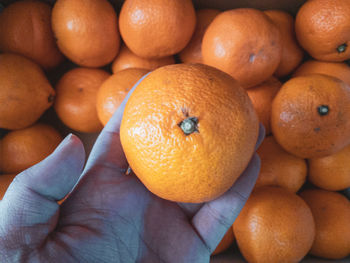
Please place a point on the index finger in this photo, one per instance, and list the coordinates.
(107, 150)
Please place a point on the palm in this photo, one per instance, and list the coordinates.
(109, 216)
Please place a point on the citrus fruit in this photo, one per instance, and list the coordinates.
(292, 53)
(331, 172)
(279, 168)
(261, 97)
(5, 181)
(25, 92)
(331, 212)
(323, 29)
(21, 149)
(156, 28)
(339, 70)
(86, 31)
(192, 53)
(188, 131)
(76, 96)
(113, 91)
(25, 29)
(310, 116)
(244, 43)
(275, 225)
(225, 242)
(127, 59)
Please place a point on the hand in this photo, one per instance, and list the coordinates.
(108, 216)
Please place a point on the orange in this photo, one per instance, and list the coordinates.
(5, 181)
(336, 69)
(292, 54)
(25, 92)
(275, 225)
(86, 31)
(114, 90)
(157, 28)
(192, 53)
(279, 168)
(244, 43)
(225, 242)
(76, 96)
(262, 96)
(323, 29)
(127, 59)
(331, 212)
(25, 28)
(331, 172)
(310, 116)
(188, 131)
(23, 148)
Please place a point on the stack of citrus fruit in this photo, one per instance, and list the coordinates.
(189, 129)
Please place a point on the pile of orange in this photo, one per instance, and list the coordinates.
(190, 127)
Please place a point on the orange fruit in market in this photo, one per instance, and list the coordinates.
(280, 168)
(127, 59)
(76, 98)
(275, 225)
(192, 53)
(225, 242)
(292, 53)
(331, 172)
(114, 90)
(5, 181)
(323, 29)
(331, 212)
(244, 43)
(336, 69)
(25, 92)
(262, 96)
(21, 149)
(25, 29)
(188, 132)
(156, 28)
(310, 116)
(86, 31)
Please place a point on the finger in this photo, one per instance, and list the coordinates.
(190, 209)
(107, 150)
(261, 136)
(215, 217)
(31, 199)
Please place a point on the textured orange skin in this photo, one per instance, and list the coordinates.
(25, 92)
(25, 29)
(261, 97)
(192, 53)
(292, 53)
(114, 90)
(336, 69)
(188, 168)
(331, 212)
(296, 123)
(157, 28)
(127, 59)
(225, 242)
(86, 31)
(323, 25)
(5, 181)
(331, 172)
(76, 97)
(279, 168)
(23, 148)
(274, 226)
(244, 43)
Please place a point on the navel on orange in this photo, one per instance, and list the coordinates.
(188, 132)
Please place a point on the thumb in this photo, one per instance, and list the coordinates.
(29, 209)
